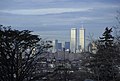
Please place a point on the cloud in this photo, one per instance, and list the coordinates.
(45, 11)
(53, 15)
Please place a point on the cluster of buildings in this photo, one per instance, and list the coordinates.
(57, 46)
(76, 44)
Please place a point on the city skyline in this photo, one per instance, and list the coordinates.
(52, 19)
(76, 44)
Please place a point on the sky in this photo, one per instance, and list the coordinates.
(53, 19)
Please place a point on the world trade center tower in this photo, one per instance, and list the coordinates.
(73, 40)
(82, 39)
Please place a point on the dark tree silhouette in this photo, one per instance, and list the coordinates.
(19, 54)
(104, 65)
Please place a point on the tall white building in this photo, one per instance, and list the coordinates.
(73, 41)
(82, 39)
(55, 46)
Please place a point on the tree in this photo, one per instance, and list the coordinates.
(117, 28)
(104, 65)
(19, 54)
(117, 33)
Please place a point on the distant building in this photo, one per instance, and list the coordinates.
(73, 40)
(67, 46)
(92, 47)
(82, 39)
(55, 46)
(89, 47)
(59, 46)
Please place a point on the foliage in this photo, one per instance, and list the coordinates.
(104, 65)
(19, 53)
(117, 28)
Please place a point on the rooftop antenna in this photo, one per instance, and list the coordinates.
(82, 25)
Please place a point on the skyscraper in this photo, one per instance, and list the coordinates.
(67, 45)
(73, 41)
(59, 46)
(55, 46)
(82, 39)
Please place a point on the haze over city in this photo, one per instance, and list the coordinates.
(53, 19)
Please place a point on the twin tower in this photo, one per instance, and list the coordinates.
(76, 46)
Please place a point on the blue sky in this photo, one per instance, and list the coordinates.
(53, 19)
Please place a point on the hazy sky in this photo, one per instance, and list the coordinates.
(53, 19)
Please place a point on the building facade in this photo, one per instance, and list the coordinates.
(59, 46)
(55, 46)
(67, 46)
(82, 39)
(73, 40)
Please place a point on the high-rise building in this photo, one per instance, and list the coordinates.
(67, 45)
(73, 41)
(59, 46)
(82, 39)
(55, 46)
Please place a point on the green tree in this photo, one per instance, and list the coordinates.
(19, 54)
(104, 65)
